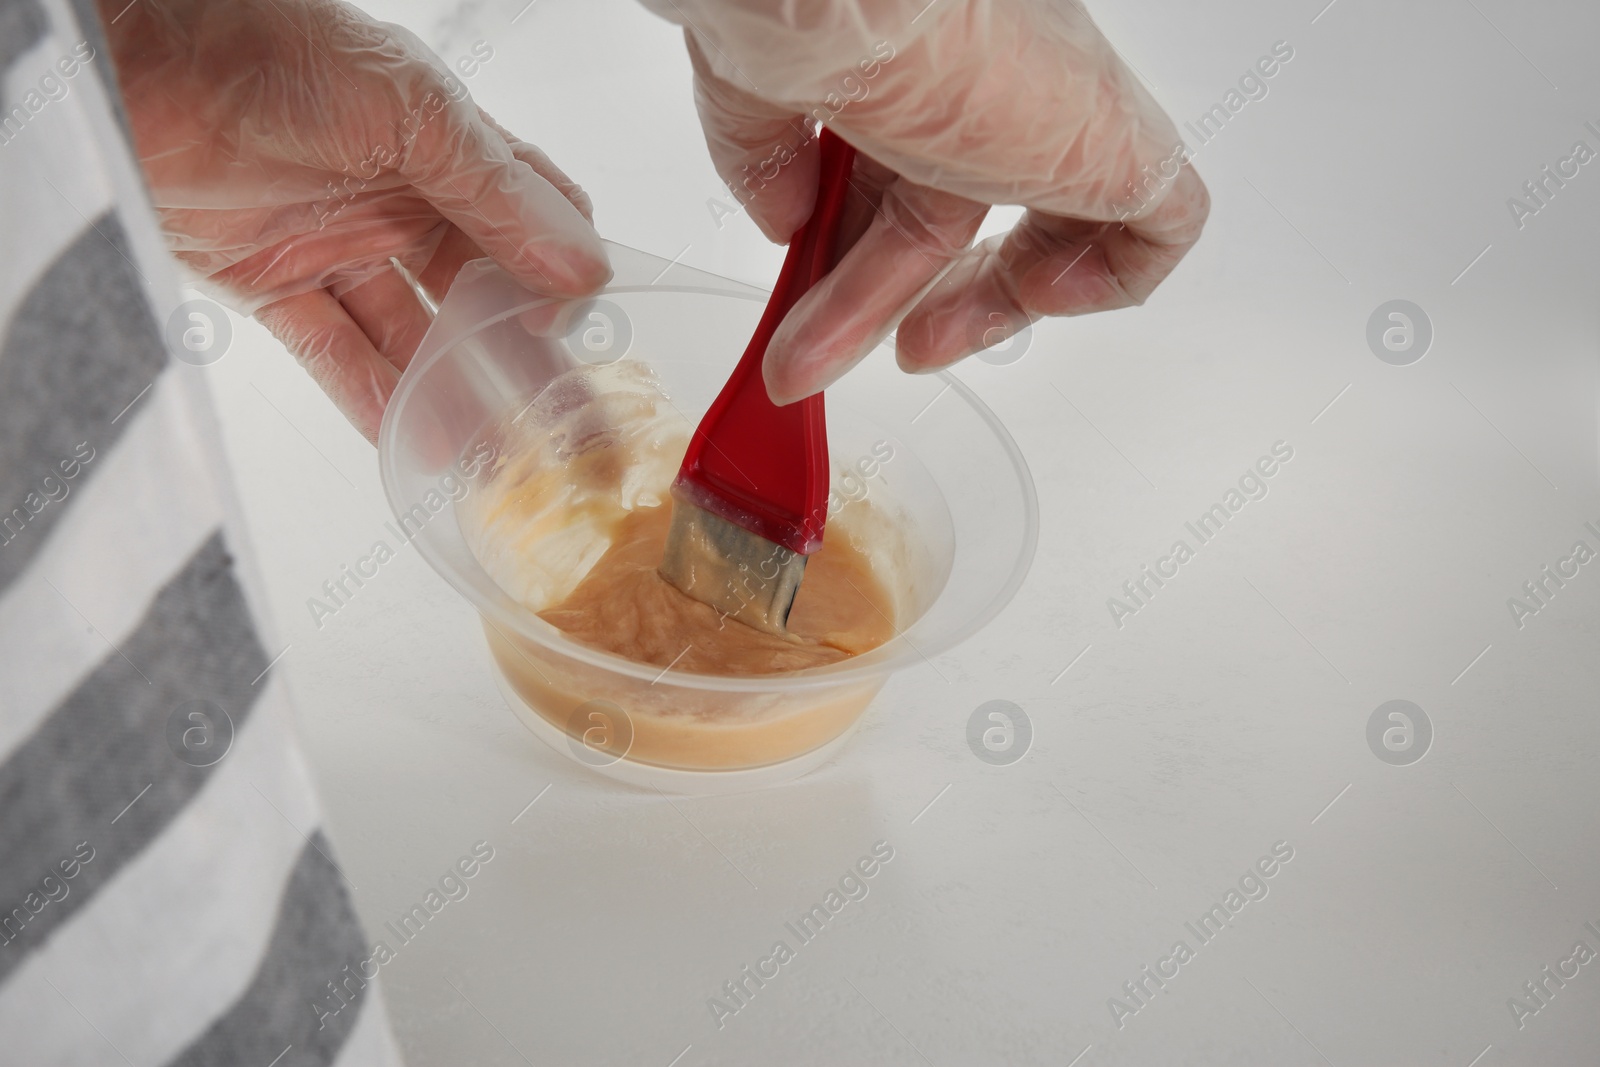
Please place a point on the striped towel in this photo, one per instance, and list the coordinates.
(166, 893)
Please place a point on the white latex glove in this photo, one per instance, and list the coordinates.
(953, 106)
(293, 146)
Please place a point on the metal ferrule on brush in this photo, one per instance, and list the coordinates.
(720, 563)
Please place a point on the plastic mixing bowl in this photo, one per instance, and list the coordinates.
(955, 490)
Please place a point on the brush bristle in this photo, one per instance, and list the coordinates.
(723, 565)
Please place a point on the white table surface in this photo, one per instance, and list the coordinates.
(1224, 717)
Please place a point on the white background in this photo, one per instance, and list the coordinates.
(1223, 717)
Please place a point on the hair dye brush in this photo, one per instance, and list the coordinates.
(751, 499)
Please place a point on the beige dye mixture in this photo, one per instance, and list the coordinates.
(572, 522)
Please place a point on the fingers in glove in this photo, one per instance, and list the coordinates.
(389, 313)
(337, 354)
(455, 249)
(914, 235)
(543, 166)
(767, 154)
(1049, 265)
(340, 255)
(466, 169)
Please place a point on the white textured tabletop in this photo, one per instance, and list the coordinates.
(1030, 909)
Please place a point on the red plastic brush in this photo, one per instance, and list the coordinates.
(751, 498)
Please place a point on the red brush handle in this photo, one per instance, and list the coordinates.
(756, 464)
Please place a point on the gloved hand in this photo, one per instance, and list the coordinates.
(293, 146)
(953, 106)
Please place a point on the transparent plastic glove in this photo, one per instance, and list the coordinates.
(954, 106)
(292, 147)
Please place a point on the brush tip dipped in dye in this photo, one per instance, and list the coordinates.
(740, 574)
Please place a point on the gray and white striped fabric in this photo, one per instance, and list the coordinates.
(166, 892)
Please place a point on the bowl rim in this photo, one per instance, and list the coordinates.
(527, 624)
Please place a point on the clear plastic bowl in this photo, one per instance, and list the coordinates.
(956, 487)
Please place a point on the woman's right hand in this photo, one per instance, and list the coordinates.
(953, 106)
